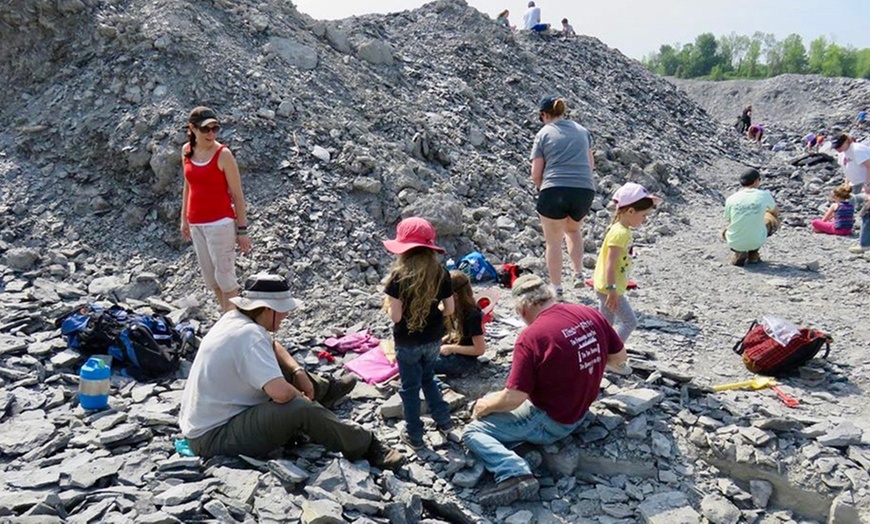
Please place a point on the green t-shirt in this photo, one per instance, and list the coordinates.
(617, 236)
(744, 212)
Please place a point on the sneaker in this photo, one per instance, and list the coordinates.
(857, 249)
(450, 432)
(738, 258)
(559, 292)
(510, 490)
(579, 282)
(337, 389)
(383, 457)
(753, 257)
(623, 369)
(416, 445)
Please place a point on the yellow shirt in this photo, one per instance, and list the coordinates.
(617, 236)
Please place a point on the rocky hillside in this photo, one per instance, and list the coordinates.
(340, 129)
(426, 112)
(798, 103)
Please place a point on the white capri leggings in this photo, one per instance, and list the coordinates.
(215, 246)
(624, 313)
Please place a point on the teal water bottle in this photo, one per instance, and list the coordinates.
(94, 384)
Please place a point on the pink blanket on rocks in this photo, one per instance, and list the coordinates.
(373, 366)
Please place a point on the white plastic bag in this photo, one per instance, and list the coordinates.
(780, 330)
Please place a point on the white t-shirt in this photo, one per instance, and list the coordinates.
(235, 360)
(852, 160)
(532, 17)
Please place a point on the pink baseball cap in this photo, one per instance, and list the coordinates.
(630, 193)
(410, 233)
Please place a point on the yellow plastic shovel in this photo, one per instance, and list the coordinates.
(754, 383)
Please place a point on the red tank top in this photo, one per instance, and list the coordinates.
(208, 192)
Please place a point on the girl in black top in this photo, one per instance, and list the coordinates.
(464, 341)
(415, 288)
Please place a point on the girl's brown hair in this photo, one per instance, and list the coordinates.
(464, 303)
(418, 274)
(842, 192)
(504, 13)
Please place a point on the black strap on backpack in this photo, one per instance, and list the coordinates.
(738, 347)
(825, 338)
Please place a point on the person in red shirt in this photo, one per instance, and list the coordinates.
(558, 363)
(213, 205)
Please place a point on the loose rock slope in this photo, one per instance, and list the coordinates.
(422, 112)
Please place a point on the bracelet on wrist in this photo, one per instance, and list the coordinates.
(241, 233)
(610, 287)
(298, 370)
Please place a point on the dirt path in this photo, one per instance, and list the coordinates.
(687, 276)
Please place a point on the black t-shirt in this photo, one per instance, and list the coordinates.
(434, 328)
(472, 326)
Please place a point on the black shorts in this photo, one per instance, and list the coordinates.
(560, 202)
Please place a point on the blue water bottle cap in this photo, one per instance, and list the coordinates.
(95, 369)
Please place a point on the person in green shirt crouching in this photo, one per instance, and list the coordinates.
(752, 216)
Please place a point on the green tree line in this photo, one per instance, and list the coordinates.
(758, 56)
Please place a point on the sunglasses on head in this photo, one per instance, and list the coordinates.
(209, 129)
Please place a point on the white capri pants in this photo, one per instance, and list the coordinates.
(215, 246)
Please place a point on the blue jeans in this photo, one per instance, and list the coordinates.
(865, 231)
(455, 365)
(417, 370)
(491, 437)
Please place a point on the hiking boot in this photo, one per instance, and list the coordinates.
(753, 257)
(622, 370)
(510, 490)
(738, 258)
(337, 389)
(382, 457)
(857, 249)
(406, 439)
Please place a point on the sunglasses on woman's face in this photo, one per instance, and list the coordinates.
(210, 129)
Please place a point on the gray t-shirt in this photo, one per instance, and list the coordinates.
(564, 145)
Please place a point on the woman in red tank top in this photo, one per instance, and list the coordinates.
(213, 205)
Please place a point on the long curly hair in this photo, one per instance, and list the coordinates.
(419, 275)
(464, 303)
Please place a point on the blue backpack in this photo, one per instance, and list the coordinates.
(477, 268)
(145, 346)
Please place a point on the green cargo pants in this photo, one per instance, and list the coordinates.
(263, 428)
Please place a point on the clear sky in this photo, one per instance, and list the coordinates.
(638, 27)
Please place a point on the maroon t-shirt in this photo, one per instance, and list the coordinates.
(559, 360)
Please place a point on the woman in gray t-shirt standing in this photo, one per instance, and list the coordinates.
(562, 167)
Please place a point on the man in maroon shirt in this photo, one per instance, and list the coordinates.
(555, 376)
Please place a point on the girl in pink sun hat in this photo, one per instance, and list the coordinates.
(416, 286)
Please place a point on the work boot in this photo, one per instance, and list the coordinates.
(383, 457)
(337, 389)
(509, 491)
(753, 257)
(738, 258)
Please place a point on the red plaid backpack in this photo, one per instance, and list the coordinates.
(765, 355)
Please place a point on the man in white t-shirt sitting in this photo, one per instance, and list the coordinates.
(247, 395)
(532, 19)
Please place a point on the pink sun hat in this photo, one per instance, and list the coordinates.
(410, 233)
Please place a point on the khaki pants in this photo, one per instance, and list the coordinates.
(263, 428)
(771, 222)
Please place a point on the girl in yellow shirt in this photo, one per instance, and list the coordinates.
(633, 204)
